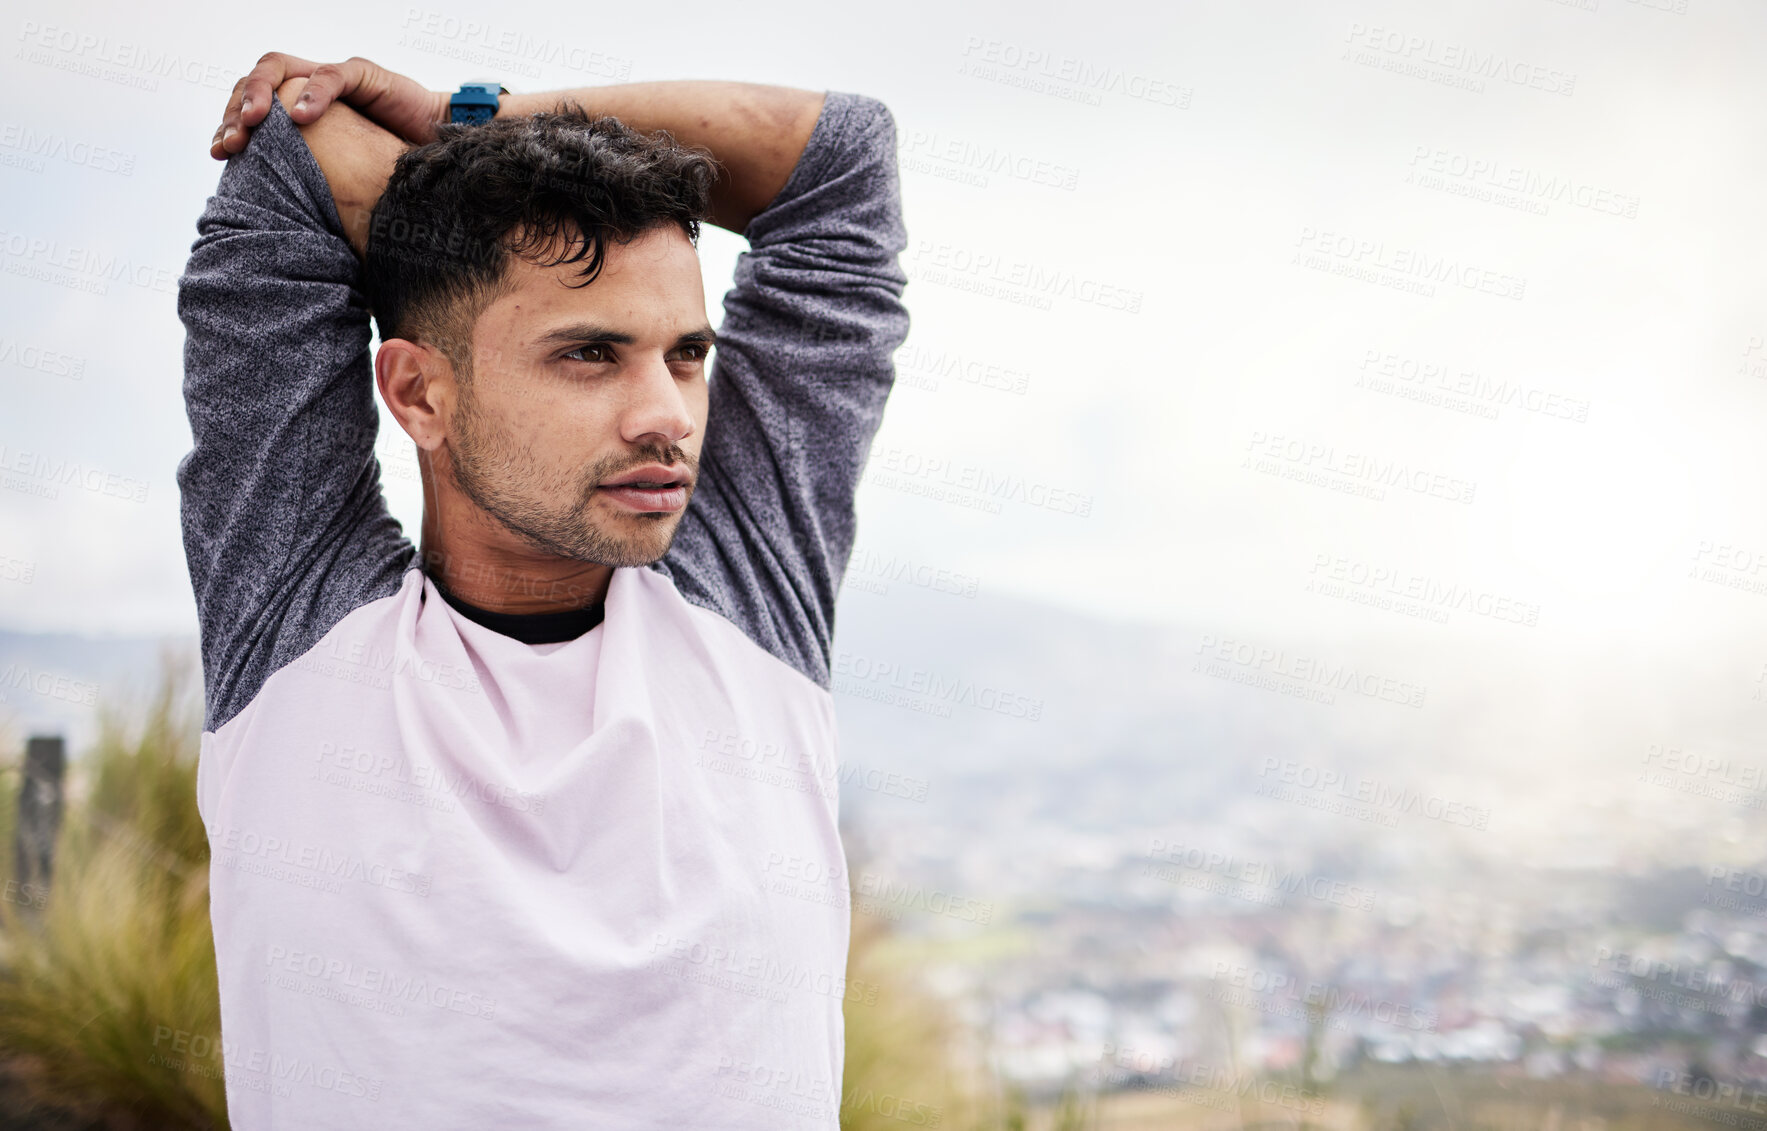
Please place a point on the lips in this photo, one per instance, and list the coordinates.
(650, 489)
(653, 475)
(648, 500)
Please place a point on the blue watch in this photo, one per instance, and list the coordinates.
(475, 102)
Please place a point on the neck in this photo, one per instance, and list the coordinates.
(482, 564)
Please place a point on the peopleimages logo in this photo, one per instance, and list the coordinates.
(386, 766)
(473, 41)
(1186, 864)
(1322, 464)
(1464, 389)
(37, 146)
(100, 56)
(312, 865)
(1340, 576)
(1404, 267)
(48, 684)
(915, 149)
(257, 1069)
(1333, 999)
(35, 473)
(886, 567)
(1196, 1082)
(1071, 77)
(28, 355)
(939, 261)
(1374, 792)
(401, 987)
(1220, 652)
(754, 974)
(890, 464)
(1456, 57)
(924, 681)
(1530, 184)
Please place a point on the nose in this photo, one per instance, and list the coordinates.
(658, 409)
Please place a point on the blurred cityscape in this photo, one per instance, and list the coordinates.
(1221, 945)
(1209, 896)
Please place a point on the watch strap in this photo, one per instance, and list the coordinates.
(475, 103)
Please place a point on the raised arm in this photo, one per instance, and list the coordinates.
(754, 130)
(804, 366)
(355, 154)
(285, 528)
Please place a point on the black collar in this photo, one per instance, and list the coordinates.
(529, 628)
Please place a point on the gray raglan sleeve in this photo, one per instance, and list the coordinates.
(285, 528)
(803, 367)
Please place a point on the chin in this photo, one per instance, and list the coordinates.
(643, 549)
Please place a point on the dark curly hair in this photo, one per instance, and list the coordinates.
(457, 209)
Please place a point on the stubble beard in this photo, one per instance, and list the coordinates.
(506, 482)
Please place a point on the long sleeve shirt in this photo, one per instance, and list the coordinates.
(458, 880)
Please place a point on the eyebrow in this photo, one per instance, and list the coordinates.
(586, 333)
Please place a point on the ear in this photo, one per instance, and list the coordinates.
(417, 383)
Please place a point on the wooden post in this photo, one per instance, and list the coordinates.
(39, 817)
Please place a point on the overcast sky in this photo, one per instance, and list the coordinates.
(1415, 298)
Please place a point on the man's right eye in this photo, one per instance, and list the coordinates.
(599, 349)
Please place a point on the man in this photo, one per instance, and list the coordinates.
(498, 829)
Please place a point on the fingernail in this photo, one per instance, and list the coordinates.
(245, 105)
(306, 96)
(231, 130)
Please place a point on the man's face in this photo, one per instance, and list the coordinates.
(575, 386)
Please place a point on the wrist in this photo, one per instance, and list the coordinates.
(515, 105)
(477, 101)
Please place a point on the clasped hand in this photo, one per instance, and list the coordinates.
(398, 104)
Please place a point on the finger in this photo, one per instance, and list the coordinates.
(216, 149)
(328, 82)
(274, 69)
(392, 101)
(251, 99)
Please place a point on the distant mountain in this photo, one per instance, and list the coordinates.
(928, 683)
(1120, 716)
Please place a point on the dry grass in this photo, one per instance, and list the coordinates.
(120, 956)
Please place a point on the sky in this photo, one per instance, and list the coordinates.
(1295, 327)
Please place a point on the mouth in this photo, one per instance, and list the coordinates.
(650, 490)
